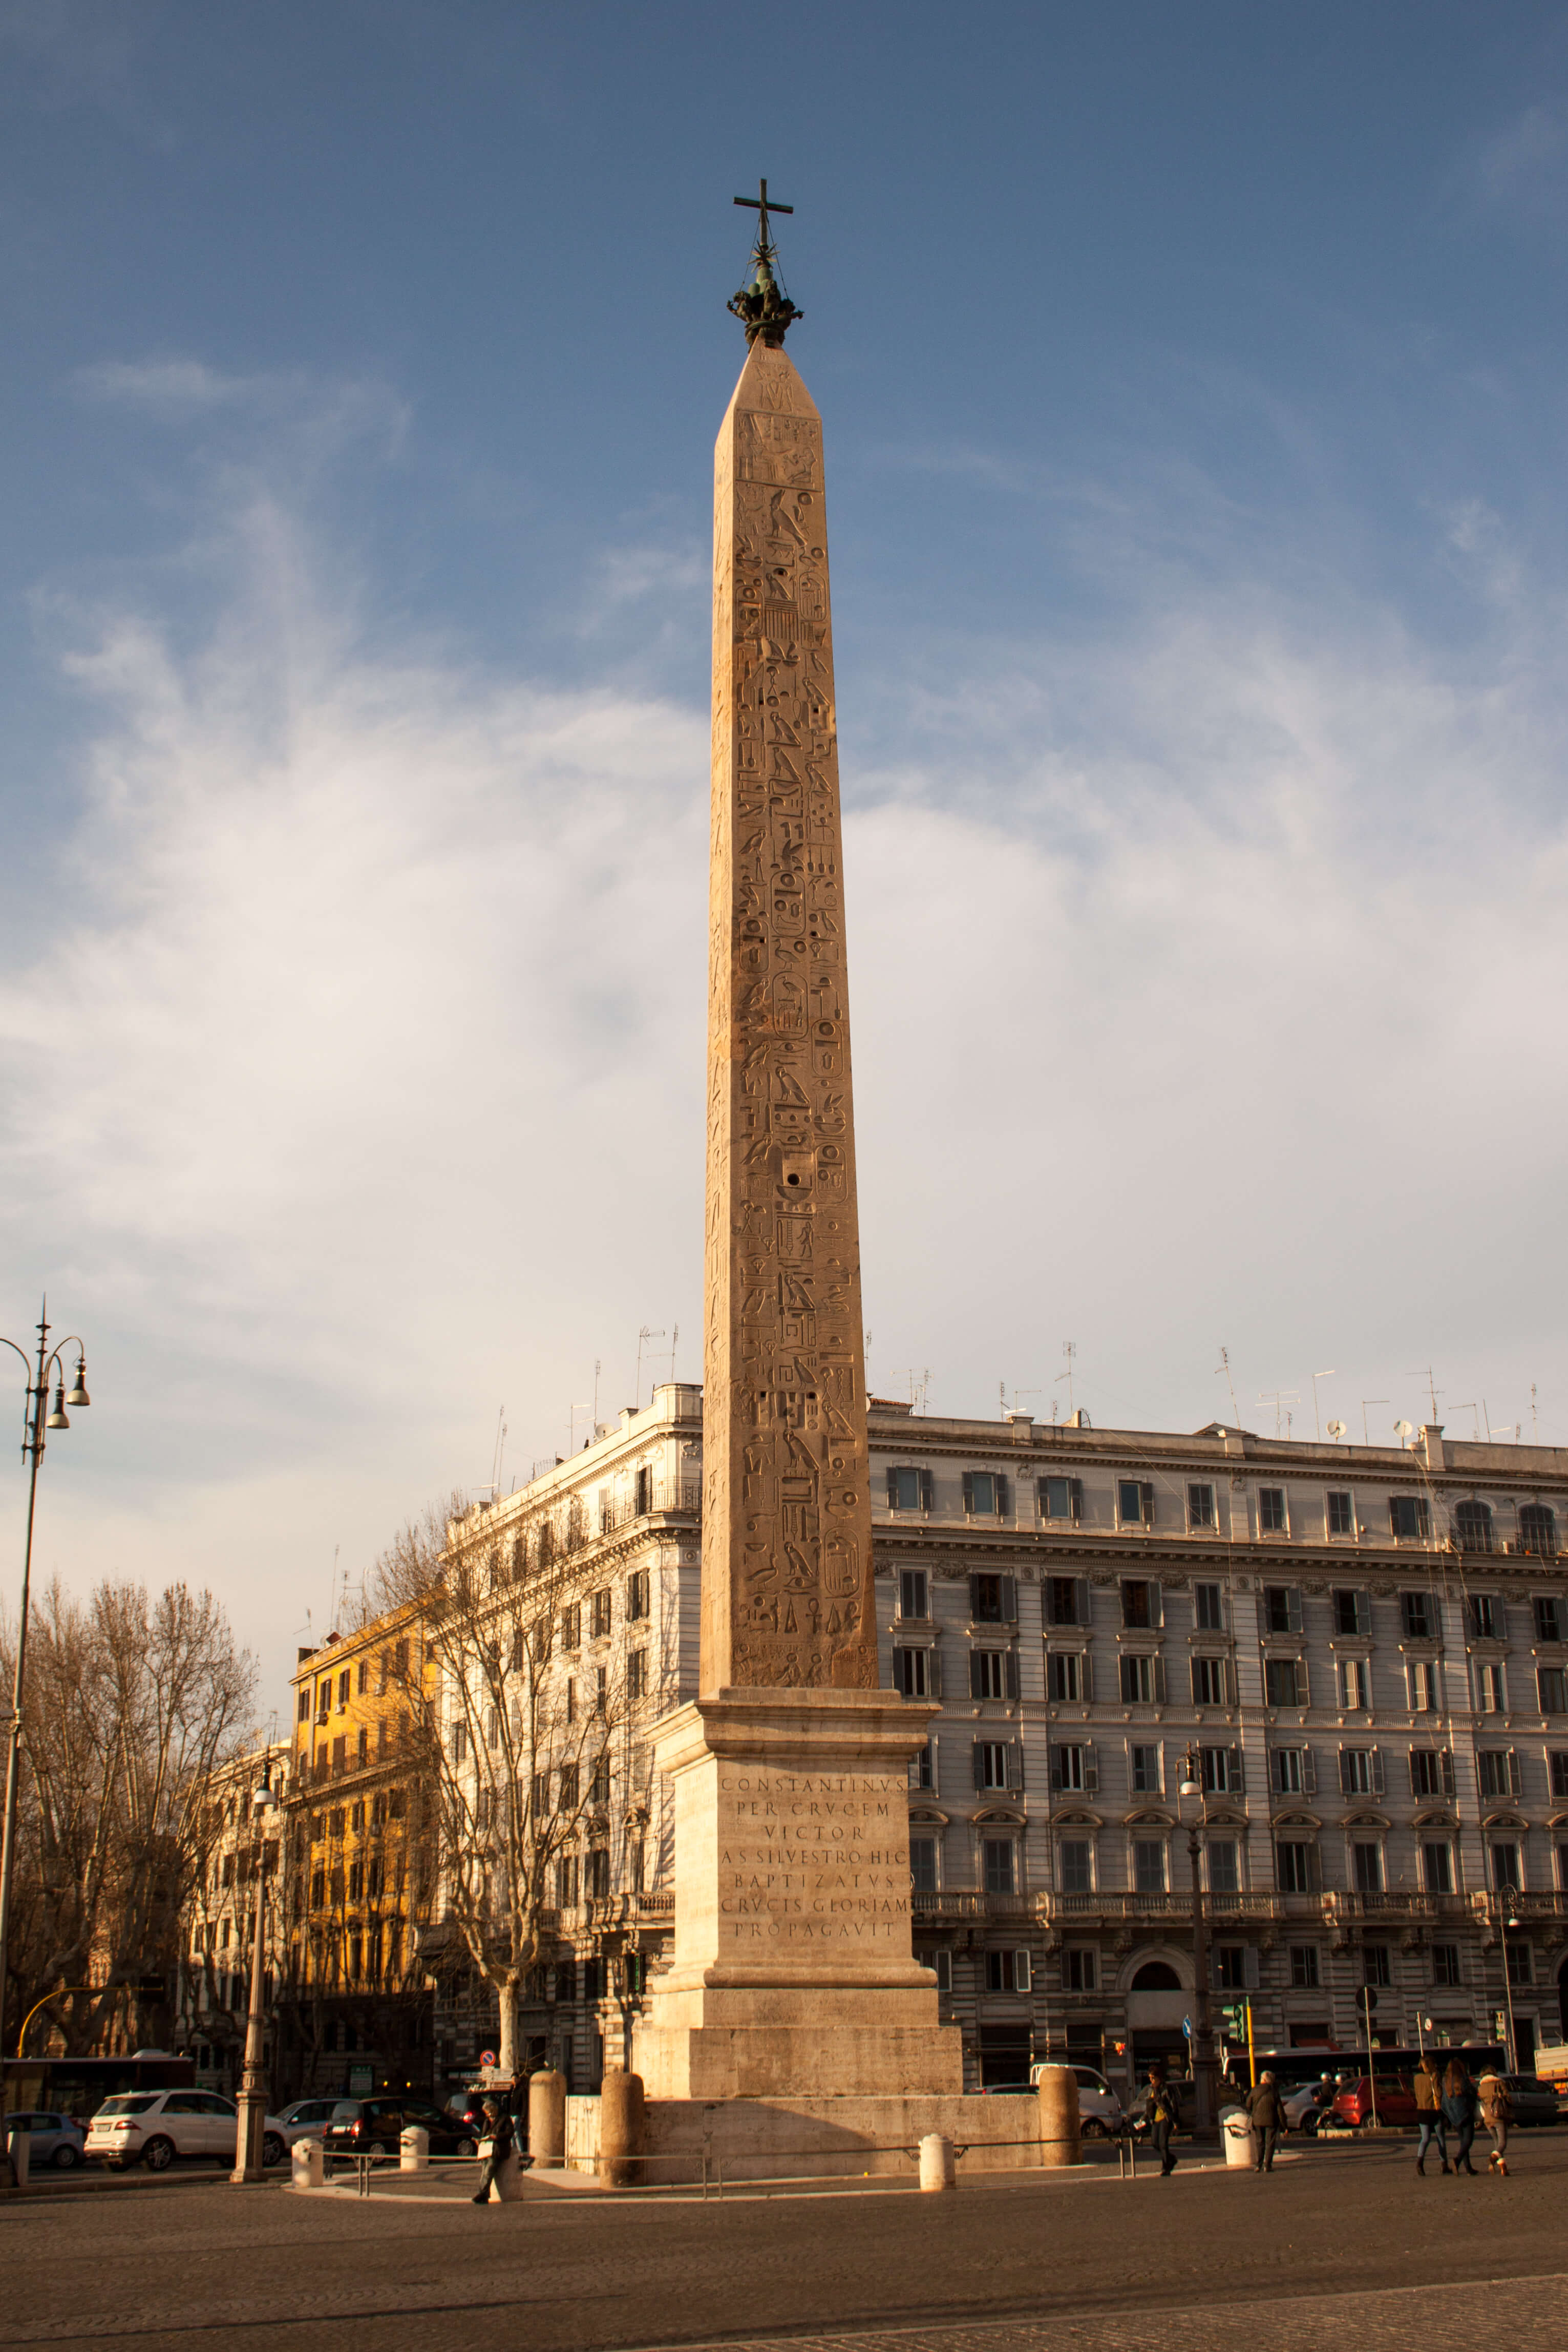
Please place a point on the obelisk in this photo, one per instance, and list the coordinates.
(792, 1968)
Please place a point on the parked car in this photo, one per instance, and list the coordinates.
(1395, 2103)
(56, 2140)
(374, 2127)
(153, 2127)
(1099, 2109)
(1306, 2104)
(1532, 2100)
(305, 2119)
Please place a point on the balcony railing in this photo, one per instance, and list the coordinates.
(1394, 1906)
(667, 1494)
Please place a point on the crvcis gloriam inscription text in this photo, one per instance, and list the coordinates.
(786, 1526)
(813, 1858)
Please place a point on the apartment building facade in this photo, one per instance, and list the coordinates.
(211, 1987)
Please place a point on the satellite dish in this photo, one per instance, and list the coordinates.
(1337, 1430)
(1404, 1429)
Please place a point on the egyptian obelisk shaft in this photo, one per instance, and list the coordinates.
(786, 1567)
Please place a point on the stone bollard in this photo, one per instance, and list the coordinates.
(413, 2149)
(506, 2188)
(308, 2161)
(20, 2146)
(546, 2120)
(622, 2119)
(1235, 2132)
(937, 2168)
(1059, 2134)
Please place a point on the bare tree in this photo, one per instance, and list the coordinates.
(519, 1703)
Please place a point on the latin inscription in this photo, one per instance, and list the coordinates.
(811, 1859)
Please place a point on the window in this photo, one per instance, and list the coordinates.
(598, 1878)
(1224, 1866)
(1521, 1966)
(1375, 1966)
(1134, 1502)
(1141, 1608)
(1407, 1518)
(1446, 1965)
(636, 1675)
(601, 1691)
(1497, 1772)
(1221, 1771)
(1505, 1869)
(913, 1673)
(1200, 1507)
(1557, 1769)
(571, 1699)
(1067, 1598)
(459, 1742)
(1075, 1856)
(1295, 1865)
(1551, 1690)
(1285, 1682)
(993, 1600)
(570, 1626)
(1149, 1865)
(1305, 1977)
(997, 1859)
(598, 1787)
(1538, 1534)
(913, 1594)
(1355, 1684)
(1431, 1772)
(1272, 1510)
(1208, 1682)
(1366, 1861)
(922, 1767)
(636, 1596)
(1007, 1972)
(1293, 1772)
(940, 1963)
(1072, 1768)
(1079, 1971)
(1341, 1515)
(985, 1494)
(567, 1787)
(1437, 1866)
(599, 1616)
(1209, 1608)
(343, 1689)
(1483, 1616)
(922, 1864)
(1424, 1697)
(363, 1745)
(1360, 1772)
(1067, 1677)
(637, 1866)
(1352, 1613)
(996, 1764)
(1281, 1608)
(1062, 1498)
(1142, 1681)
(565, 1886)
(993, 1674)
(1491, 1688)
(1548, 1617)
(1143, 1771)
(909, 1490)
(1473, 1526)
(1230, 1967)
(304, 1707)
(540, 1795)
(1419, 1612)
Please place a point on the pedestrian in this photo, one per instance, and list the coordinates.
(1160, 2115)
(1460, 2111)
(1266, 2114)
(495, 2147)
(1429, 2115)
(1496, 2114)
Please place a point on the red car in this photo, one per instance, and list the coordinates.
(1395, 2103)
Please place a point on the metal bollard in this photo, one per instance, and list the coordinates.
(413, 2149)
(308, 2161)
(937, 2168)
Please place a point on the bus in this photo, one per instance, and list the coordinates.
(78, 2087)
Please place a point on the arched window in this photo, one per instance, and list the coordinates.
(1473, 1526)
(1156, 1976)
(1538, 1530)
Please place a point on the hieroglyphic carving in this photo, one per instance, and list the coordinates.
(787, 1560)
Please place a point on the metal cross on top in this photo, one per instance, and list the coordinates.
(763, 307)
(759, 204)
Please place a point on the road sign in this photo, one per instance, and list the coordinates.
(1186, 2026)
(487, 2058)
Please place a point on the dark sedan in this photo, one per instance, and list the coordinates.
(375, 2126)
(1532, 2100)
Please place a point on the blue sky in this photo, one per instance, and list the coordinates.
(1194, 390)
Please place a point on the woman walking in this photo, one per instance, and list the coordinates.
(1430, 2114)
(1459, 2111)
(1496, 2114)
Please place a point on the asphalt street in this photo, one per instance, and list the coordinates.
(1345, 2238)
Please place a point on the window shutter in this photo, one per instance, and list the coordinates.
(979, 1765)
(1159, 1682)
(1236, 1780)
(943, 1971)
(1448, 1771)
(1056, 1767)
(1015, 1764)
(1229, 1682)
(969, 1490)
(1250, 1967)
(1345, 1772)
(926, 1490)
(1080, 1600)
(1010, 1599)
(1086, 1678)
(1308, 1773)
(1515, 1775)
(895, 1669)
(1147, 1496)
(1021, 1980)
(1157, 1604)
(1075, 1498)
(976, 1671)
(1293, 1606)
(1377, 1780)
(1303, 1684)
(974, 1597)
(1000, 1492)
(892, 1490)
(931, 1743)
(1012, 1673)
(933, 1674)
(1364, 1612)
(1091, 1773)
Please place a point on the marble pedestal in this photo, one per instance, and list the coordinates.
(793, 1973)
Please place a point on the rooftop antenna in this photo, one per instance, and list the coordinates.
(1069, 1349)
(1017, 1392)
(1279, 1399)
(918, 1384)
(1486, 1418)
(1329, 1375)
(332, 1588)
(596, 1394)
(645, 1333)
(1365, 1438)
(1224, 1365)
(500, 1449)
(675, 1343)
(1535, 1425)
(572, 1412)
(1336, 1431)
(1472, 1408)
(1431, 1391)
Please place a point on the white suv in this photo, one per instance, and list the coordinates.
(1099, 2109)
(152, 2128)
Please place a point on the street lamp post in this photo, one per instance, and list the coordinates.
(1506, 1918)
(1203, 2064)
(250, 2135)
(36, 1420)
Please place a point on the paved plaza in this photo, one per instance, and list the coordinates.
(1348, 2240)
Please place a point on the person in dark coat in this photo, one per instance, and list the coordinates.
(1430, 2114)
(1459, 2104)
(498, 2130)
(1266, 2113)
(1160, 2115)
